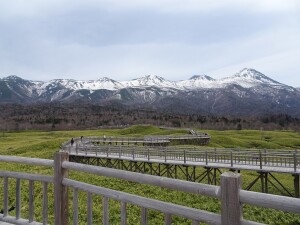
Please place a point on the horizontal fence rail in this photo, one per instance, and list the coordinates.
(179, 185)
(164, 207)
(229, 194)
(277, 160)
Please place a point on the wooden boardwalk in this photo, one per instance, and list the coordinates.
(225, 164)
(283, 161)
(171, 160)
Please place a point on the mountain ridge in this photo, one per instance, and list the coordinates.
(247, 92)
(253, 77)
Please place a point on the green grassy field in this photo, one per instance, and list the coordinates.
(43, 144)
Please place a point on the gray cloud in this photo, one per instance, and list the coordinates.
(125, 39)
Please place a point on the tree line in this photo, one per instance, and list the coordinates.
(57, 116)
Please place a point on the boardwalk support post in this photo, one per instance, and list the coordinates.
(231, 209)
(296, 185)
(60, 191)
(260, 159)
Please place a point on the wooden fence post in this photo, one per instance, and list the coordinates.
(60, 191)
(295, 161)
(231, 209)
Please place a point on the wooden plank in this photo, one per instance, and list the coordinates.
(165, 207)
(60, 191)
(231, 210)
(286, 204)
(123, 213)
(144, 216)
(18, 198)
(168, 219)
(89, 209)
(247, 222)
(75, 206)
(45, 203)
(13, 220)
(27, 176)
(25, 160)
(5, 196)
(185, 186)
(31, 201)
(105, 211)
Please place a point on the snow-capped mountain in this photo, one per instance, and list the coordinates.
(149, 81)
(248, 78)
(102, 83)
(246, 92)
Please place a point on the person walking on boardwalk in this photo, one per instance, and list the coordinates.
(72, 141)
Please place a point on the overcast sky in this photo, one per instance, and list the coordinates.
(126, 39)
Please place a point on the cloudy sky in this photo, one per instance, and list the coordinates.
(126, 39)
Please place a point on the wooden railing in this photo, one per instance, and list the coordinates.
(229, 193)
(231, 157)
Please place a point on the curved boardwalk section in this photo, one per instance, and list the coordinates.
(170, 161)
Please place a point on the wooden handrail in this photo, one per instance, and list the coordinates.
(173, 184)
(229, 193)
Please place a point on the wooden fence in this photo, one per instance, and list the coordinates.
(229, 193)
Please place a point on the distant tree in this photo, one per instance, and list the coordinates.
(239, 127)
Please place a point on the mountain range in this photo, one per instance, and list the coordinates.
(247, 92)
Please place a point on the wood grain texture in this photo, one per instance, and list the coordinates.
(231, 209)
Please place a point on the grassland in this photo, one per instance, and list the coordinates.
(45, 144)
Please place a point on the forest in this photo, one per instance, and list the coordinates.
(15, 117)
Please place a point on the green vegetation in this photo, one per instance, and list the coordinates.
(254, 139)
(45, 144)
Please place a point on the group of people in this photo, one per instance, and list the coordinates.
(72, 140)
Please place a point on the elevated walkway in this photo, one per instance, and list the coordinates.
(167, 161)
